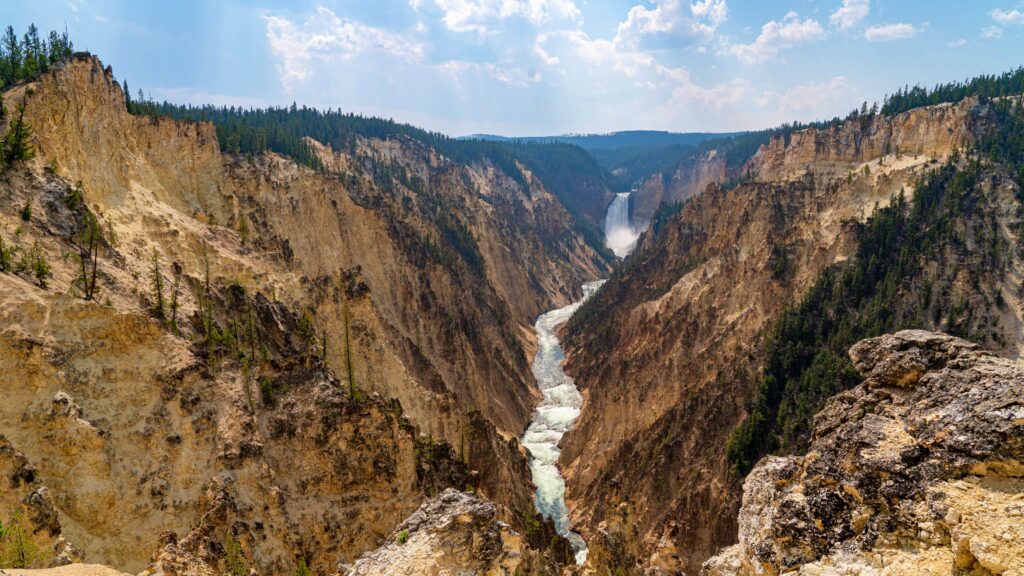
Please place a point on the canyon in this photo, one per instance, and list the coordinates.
(402, 355)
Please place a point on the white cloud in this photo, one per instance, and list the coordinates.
(956, 43)
(324, 36)
(184, 95)
(669, 89)
(513, 76)
(887, 32)
(992, 32)
(480, 15)
(816, 101)
(540, 52)
(776, 36)
(1007, 18)
(670, 22)
(850, 14)
(459, 71)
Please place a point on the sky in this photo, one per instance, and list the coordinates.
(541, 67)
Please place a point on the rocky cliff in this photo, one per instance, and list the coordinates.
(828, 153)
(321, 352)
(931, 132)
(915, 471)
(671, 351)
(691, 177)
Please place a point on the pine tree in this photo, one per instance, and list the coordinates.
(32, 50)
(127, 96)
(15, 144)
(174, 297)
(89, 238)
(3, 144)
(10, 68)
(60, 46)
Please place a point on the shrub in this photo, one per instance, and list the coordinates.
(235, 563)
(403, 537)
(33, 262)
(17, 550)
(6, 256)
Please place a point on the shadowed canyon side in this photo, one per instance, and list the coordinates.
(323, 351)
(669, 353)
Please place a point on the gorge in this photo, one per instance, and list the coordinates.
(288, 340)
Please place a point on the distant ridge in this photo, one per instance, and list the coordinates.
(615, 140)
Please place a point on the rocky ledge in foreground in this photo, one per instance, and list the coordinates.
(454, 533)
(918, 470)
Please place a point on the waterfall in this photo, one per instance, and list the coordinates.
(553, 418)
(619, 234)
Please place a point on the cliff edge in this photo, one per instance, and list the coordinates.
(917, 470)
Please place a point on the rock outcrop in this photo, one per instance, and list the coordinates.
(889, 144)
(30, 526)
(454, 533)
(918, 470)
(691, 177)
(927, 132)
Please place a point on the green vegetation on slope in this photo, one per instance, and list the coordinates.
(910, 257)
(283, 130)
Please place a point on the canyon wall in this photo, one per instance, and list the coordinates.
(669, 352)
(339, 345)
(691, 177)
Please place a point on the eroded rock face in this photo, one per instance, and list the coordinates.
(923, 132)
(454, 533)
(411, 375)
(691, 177)
(918, 470)
(28, 516)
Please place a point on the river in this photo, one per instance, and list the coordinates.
(554, 416)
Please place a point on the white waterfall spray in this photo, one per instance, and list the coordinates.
(619, 234)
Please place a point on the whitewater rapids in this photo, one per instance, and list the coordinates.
(552, 419)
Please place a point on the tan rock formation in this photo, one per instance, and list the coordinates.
(915, 471)
(928, 132)
(454, 533)
(691, 177)
(141, 429)
(30, 529)
(69, 570)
